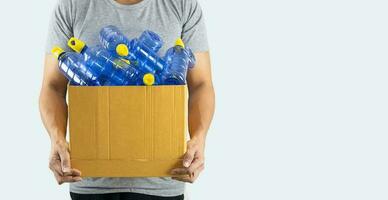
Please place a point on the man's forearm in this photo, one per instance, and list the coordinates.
(53, 110)
(201, 109)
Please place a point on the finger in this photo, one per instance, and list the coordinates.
(194, 165)
(190, 178)
(185, 171)
(72, 172)
(66, 179)
(65, 159)
(193, 175)
(55, 166)
(71, 179)
(58, 177)
(188, 157)
(179, 171)
(184, 177)
(75, 172)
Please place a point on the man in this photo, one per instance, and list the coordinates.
(171, 19)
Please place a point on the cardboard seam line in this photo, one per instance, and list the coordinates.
(173, 140)
(101, 115)
(95, 117)
(151, 114)
(177, 152)
(145, 156)
(109, 146)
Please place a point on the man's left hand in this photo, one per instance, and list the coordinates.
(193, 161)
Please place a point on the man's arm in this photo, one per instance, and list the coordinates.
(53, 110)
(201, 110)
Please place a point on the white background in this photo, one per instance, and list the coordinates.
(301, 101)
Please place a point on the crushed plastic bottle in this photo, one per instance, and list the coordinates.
(74, 69)
(141, 51)
(178, 59)
(113, 70)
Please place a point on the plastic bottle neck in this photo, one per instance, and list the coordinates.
(84, 49)
(61, 56)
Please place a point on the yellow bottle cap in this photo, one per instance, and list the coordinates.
(148, 79)
(122, 50)
(179, 42)
(76, 44)
(57, 51)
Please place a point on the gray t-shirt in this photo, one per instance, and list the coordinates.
(171, 19)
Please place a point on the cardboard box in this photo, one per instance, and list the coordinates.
(127, 131)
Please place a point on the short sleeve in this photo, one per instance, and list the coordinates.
(194, 31)
(60, 26)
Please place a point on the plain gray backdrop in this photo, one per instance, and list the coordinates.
(301, 101)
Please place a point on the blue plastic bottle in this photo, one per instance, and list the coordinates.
(151, 40)
(114, 71)
(141, 51)
(74, 69)
(178, 59)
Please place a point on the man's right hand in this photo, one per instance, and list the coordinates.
(60, 163)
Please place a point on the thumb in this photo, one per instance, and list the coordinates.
(65, 159)
(188, 158)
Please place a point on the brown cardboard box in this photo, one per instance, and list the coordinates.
(127, 131)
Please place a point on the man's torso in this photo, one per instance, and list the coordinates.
(161, 16)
